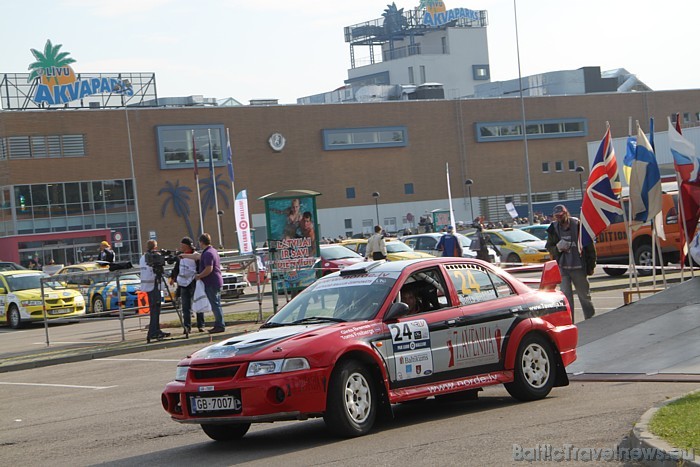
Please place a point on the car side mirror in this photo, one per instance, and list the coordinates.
(397, 310)
(2, 291)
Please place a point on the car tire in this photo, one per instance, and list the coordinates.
(226, 432)
(642, 257)
(351, 407)
(14, 319)
(98, 304)
(614, 272)
(534, 370)
(513, 258)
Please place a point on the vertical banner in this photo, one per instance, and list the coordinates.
(245, 243)
(292, 232)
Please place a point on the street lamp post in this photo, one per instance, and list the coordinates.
(528, 181)
(469, 182)
(580, 171)
(376, 204)
(220, 213)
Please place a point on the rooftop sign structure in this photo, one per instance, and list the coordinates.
(52, 82)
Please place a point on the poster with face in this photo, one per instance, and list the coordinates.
(293, 232)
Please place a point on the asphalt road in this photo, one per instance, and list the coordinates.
(108, 411)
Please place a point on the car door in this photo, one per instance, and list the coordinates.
(427, 244)
(500, 244)
(489, 307)
(417, 349)
(3, 299)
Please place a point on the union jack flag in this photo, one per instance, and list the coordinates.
(601, 201)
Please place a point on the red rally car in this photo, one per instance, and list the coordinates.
(376, 334)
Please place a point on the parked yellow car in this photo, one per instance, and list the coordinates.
(396, 250)
(21, 301)
(517, 246)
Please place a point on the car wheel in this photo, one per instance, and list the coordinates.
(13, 317)
(227, 432)
(614, 271)
(352, 401)
(98, 304)
(642, 257)
(534, 369)
(513, 258)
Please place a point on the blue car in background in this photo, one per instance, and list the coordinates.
(100, 293)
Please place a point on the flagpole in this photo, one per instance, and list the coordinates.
(229, 162)
(449, 197)
(686, 241)
(196, 179)
(216, 191)
(633, 265)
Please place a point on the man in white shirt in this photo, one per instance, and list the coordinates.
(376, 248)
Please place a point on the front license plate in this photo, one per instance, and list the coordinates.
(59, 311)
(221, 404)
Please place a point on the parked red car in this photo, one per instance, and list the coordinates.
(336, 257)
(379, 333)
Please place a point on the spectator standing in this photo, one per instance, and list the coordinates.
(449, 244)
(376, 247)
(210, 275)
(150, 284)
(575, 266)
(183, 274)
(106, 253)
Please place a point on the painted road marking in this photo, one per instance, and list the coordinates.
(136, 360)
(70, 386)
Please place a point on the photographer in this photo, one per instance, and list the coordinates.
(150, 283)
(183, 273)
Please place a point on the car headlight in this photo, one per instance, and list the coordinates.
(79, 299)
(528, 250)
(181, 373)
(268, 367)
(32, 303)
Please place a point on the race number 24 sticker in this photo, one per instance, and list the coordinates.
(412, 353)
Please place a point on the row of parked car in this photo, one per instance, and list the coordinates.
(77, 294)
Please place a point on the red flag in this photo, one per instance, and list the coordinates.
(194, 157)
(690, 194)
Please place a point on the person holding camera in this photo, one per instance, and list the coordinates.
(183, 274)
(150, 283)
(575, 265)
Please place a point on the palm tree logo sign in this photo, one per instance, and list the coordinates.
(57, 83)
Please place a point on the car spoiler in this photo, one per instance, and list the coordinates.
(548, 281)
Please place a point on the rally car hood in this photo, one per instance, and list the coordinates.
(252, 343)
(35, 294)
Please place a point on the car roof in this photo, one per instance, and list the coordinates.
(20, 272)
(87, 266)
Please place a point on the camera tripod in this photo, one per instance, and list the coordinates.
(160, 280)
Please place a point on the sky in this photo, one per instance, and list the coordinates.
(285, 49)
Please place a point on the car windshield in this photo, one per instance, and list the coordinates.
(518, 236)
(7, 266)
(337, 252)
(464, 241)
(397, 247)
(336, 299)
(29, 281)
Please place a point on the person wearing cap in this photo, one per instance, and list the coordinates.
(183, 274)
(106, 253)
(449, 244)
(575, 265)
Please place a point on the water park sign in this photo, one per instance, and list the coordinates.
(436, 14)
(57, 82)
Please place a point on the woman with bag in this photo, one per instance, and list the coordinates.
(183, 273)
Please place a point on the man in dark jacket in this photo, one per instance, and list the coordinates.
(575, 266)
(449, 244)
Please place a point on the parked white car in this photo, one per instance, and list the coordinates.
(427, 243)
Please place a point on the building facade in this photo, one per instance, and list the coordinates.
(69, 178)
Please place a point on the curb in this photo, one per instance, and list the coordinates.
(641, 438)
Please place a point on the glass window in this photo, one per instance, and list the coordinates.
(359, 138)
(422, 74)
(56, 193)
(175, 145)
(39, 148)
(503, 288)
(686, 117)
(411, 78)
(350, 193)
(545, 167)
(535, 129)
(572, 165)
(348, 223)
(559, 166)
(473, 284)
(573, 127)
(39, 195)
(54, 145)
(551, 128)
(72, 192)
(129, 188)
(424, 291)
(3, 149)
(408, 188)
(444, 45)
(481, 72)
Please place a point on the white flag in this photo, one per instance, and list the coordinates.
(245, 243)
